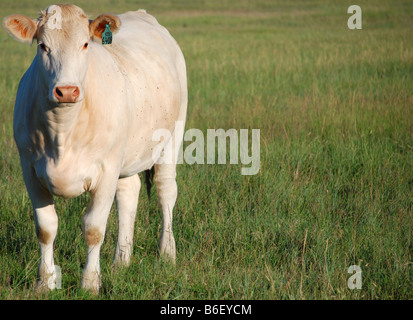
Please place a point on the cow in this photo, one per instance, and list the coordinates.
(84, 116)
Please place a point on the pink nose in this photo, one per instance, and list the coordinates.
(66, 94)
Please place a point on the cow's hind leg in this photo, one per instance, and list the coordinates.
(165, 179)
(127, 195)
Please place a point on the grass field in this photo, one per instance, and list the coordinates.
(335, 111)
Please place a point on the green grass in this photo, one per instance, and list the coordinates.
(335, 110)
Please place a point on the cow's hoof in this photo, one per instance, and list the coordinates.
(42, 287)
(46, 279)
(121, 259)
(167, 249)
(91, 281)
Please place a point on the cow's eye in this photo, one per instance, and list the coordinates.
(85, 45)
(43, 47)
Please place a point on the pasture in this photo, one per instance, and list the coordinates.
(335, 188)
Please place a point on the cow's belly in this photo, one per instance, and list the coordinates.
(65, 180)
(144, 151)
(134, 166)
(138, 158)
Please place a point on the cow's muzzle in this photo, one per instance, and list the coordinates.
(66, 94)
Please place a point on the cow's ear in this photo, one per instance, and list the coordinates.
(98, 26)
(21, 27)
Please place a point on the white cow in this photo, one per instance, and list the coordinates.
(84, 118)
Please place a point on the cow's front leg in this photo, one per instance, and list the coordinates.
(46, 226)
(94, 227)
(46, 230)
(127, 195)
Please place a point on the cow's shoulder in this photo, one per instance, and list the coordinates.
(25, 94)
(26, 114)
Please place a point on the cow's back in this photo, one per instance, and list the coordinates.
(154, 66)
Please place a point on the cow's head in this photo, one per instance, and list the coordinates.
(63, 33)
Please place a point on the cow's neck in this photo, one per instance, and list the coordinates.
(61, 122)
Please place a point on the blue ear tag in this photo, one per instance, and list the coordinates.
(107, 36)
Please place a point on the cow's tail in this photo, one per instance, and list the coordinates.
(149, 180)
